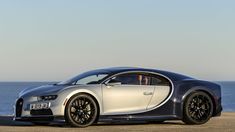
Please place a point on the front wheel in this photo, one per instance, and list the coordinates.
(198, 108)
(81, 111)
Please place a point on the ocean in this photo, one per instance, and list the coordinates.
(9, 92)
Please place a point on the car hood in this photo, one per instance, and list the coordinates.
(42, 90)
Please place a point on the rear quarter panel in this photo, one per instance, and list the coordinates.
(186, 87)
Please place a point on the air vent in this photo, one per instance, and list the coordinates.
(19, 106)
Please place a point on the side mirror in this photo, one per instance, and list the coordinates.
(113, 83)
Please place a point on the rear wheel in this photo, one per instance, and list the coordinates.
(198, 108)
(81, 111)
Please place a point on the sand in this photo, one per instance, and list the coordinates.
(224, 123)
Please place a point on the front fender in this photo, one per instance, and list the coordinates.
(96, 92)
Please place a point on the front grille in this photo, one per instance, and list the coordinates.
(19, 106)
(41, 112)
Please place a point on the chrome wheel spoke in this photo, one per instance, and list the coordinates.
(199, 107)
(82, 110)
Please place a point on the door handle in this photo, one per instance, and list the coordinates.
(148, 93)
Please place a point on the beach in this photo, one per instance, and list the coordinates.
(226, 123)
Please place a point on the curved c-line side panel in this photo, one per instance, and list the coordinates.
(160, 94)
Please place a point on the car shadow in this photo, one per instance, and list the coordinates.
(8, 121)
(139, 123)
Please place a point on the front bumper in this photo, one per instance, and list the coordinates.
(24, 113)
(40, 119)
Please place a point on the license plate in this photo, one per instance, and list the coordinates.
(39, 106)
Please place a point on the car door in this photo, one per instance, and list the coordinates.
(126, 93)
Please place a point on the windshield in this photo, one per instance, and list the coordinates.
(92, 77)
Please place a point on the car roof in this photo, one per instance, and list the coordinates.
(171, 75)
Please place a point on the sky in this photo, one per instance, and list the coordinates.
(53, 40)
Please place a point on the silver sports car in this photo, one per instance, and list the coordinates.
(118, 94)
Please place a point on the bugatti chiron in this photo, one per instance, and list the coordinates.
(121, 94)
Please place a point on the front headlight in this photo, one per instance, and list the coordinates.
(47, 97)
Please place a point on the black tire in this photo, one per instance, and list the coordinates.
(198, 108)
(81, 111)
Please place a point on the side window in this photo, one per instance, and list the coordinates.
(158, 80)
(133, 79)
(127, 79)
(92, 79)
(144, 79)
